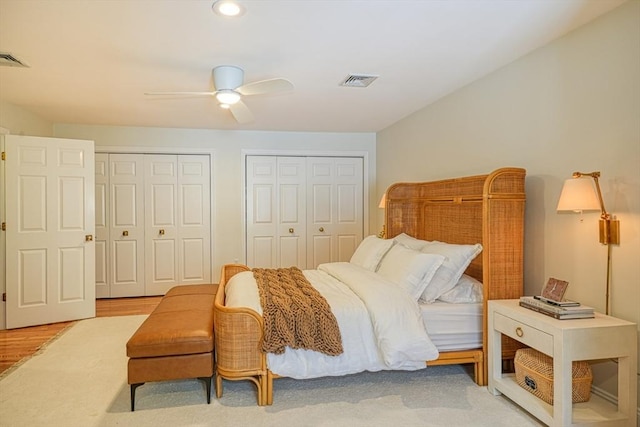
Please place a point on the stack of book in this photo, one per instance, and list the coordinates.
(557, 309)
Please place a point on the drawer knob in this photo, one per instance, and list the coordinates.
(519, 332)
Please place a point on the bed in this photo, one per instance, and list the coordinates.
(483, 210)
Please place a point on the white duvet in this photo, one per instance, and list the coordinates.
(380, 324)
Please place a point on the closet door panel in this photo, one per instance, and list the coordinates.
(161, 234)
(350, 206)
(126, 225)
(321, 216)
(320, 249)
(335, 186)
(194, 219)
(291, 214)
(261, 213)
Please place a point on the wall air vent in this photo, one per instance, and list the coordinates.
(358, 80)
(8, 60)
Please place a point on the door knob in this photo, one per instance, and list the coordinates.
(161, 232)
(321, 229)
(125, 233)
(88, 238)
(291, 230)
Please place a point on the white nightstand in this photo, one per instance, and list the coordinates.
(604, 337)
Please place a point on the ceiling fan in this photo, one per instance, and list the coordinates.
(228, 81)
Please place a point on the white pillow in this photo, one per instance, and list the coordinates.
(410, 242)
(410, 269)
(457, 259)
(468, 290)
(370, 251)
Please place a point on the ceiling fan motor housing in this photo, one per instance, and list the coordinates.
(227, 77)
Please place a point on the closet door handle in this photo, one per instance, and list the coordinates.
(291, 230)
(88, 238)
(161, 232)
(125, 233)
(321, 229)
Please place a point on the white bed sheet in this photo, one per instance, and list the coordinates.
(453, 327)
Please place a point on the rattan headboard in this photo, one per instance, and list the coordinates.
(486, 209)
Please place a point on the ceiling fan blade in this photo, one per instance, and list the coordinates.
(180, 93)
(241, 112)
(265, 86)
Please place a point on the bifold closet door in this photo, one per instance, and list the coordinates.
(154, 226)
(126, 225)
(303, 211)
(335, 208)
(276, 211)
(194, 219)
(177, 249)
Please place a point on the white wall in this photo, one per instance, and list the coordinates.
(19, 121)
(573, 105)
(228, 148)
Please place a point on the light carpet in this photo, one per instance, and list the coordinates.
(80, 379)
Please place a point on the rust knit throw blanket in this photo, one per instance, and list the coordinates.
(295, 314)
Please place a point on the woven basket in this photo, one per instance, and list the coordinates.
(534, 372)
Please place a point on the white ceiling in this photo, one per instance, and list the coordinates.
(91, 61)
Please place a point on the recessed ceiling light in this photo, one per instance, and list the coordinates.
(228, 8)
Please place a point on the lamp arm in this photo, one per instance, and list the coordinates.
(609, 228)
(595, 175)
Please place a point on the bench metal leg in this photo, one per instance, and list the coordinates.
(133, 395)
(207, 384)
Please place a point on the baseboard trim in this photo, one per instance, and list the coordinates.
(613, 399)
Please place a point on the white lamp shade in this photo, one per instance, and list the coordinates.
(383, 201)
(578, 194)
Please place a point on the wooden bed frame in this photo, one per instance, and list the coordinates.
(486, 209)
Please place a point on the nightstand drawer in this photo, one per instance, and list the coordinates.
(525, 334)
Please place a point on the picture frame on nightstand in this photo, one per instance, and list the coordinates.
(555, 289)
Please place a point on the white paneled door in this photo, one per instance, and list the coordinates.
(303, 211)
(50, 230)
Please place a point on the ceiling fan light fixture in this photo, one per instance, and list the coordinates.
(225, 106)
(227, 96)
(228, 8)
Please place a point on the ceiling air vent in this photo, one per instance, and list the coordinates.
(8, 60)
(358, 80)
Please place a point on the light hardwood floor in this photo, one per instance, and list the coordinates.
(17, 344)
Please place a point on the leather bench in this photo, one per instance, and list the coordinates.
(175, 341)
